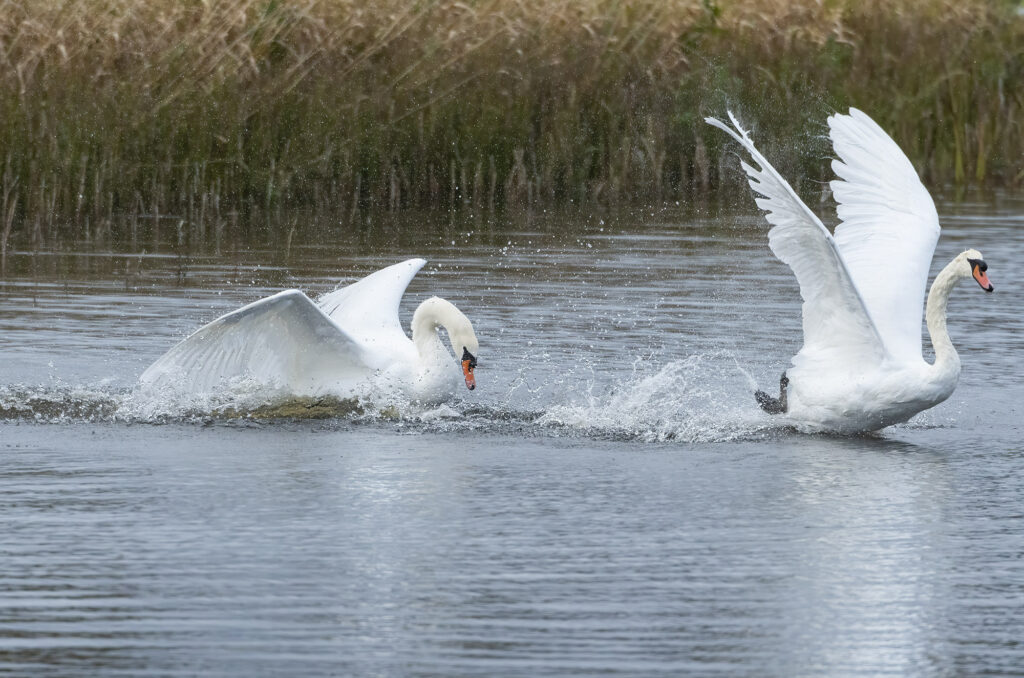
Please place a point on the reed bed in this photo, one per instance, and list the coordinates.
(120, 115)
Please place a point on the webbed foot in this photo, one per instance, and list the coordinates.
(774, 405)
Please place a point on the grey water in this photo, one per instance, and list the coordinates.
(608, 501)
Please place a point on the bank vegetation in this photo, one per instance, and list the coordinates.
(116, 113)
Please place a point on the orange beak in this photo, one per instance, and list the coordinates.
(467, 371)
(982, 278)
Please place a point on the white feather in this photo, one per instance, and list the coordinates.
(861, 366)
(837, 326)
(889, 228)
(288, 343)
(283, 341)
(368, 308)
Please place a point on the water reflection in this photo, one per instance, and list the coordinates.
(867, 586)
(609, 500)
(361, 551)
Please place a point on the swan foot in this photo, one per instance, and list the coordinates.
(774, 405)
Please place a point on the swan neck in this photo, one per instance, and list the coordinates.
(946, 358)
(433, 314)
(425, 323)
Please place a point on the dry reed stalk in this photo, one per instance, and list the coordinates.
(8, 207)
(257, 105)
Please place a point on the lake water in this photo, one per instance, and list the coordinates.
(609, 500)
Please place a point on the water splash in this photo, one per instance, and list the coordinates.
(702, 398)
(57, 403)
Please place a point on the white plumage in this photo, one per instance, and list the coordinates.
(861, 366)
(289, 343)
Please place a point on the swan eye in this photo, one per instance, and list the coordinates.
(468, 357)
(979, 264)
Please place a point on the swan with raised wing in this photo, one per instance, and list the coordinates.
(861, 367)
(331, 347)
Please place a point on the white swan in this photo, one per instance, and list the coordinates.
(861, 367)
(289, 343)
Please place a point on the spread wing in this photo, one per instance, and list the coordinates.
(838, 329)
(368, 308)
(889, 228)
(283, 341)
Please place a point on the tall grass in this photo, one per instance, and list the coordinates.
(118, 114)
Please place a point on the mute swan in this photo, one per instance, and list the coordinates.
(861, 368)
(330, 347)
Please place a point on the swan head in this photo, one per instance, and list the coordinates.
(463, 337)
(972, 265)
(437, 312)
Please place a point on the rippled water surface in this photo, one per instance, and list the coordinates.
(608, 501)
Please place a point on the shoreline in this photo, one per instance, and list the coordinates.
(111, 111)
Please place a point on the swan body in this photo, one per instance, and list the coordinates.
(861, 367)
(331, 347)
